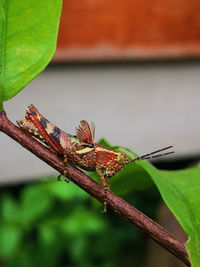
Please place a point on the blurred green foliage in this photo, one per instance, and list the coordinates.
(51, 223)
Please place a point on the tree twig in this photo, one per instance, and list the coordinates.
(145, 224)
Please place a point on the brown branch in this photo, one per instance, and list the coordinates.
(145, 224)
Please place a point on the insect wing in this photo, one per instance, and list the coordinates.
(84, 134)
(93, 130)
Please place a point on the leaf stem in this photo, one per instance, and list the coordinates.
(145, 224)
(1, 107)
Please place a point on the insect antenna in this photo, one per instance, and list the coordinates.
(154, 154)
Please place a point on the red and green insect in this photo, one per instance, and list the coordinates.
(80, 149)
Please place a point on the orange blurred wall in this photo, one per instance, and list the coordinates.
(128, 29)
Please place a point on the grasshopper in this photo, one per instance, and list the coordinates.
(80, 150)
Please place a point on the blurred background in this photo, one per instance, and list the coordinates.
(132, 67)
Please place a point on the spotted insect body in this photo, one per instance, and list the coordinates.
(80, 149)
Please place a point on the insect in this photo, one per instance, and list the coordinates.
(80, 149)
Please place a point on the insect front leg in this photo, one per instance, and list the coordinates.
(65, 170)
(70, 155)
(106, 186)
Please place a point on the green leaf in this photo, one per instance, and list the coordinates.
(35, 203)
(9, 209)
(133, 177)
(179, 189)
(28, 31)
(47, 234)
(1, 107)
(181, 192)
(65, 191)
(10, 237)
(82, 222)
